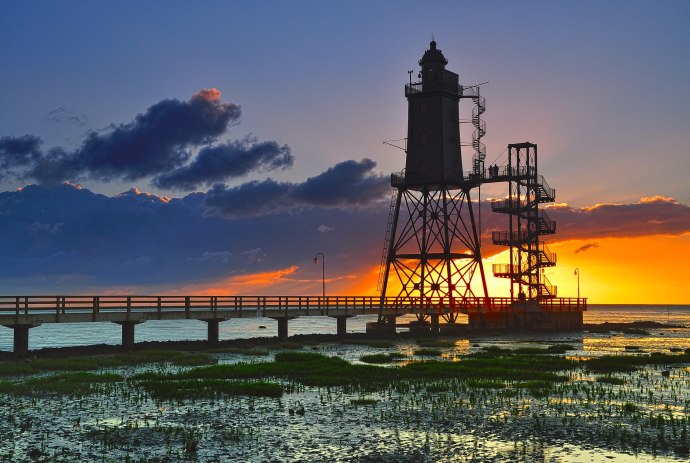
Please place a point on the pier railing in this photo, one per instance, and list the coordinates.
(303, 305)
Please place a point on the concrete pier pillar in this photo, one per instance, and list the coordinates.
(212, 326)
(128, 334)
(341, 322)
(282, 327)
(21, 338)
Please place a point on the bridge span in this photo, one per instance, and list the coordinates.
(21, 313)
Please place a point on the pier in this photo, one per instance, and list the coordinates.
(21, 313)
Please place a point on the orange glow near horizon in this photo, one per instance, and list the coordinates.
(645, 270)
(263, 283)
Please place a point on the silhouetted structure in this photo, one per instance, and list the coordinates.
(526, 224)
(432, 248)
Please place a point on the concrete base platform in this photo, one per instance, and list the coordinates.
(537, 320)
(385, 327)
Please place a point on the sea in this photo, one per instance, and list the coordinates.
(52, 335)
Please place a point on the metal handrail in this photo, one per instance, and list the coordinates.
(514, 237)
(548, 254)
(36, 305)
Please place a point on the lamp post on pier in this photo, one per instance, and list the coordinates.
(323, 270)
(577, 272)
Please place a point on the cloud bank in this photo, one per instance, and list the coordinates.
(158, 144)
(62, 238)
(227, 161)
(347, 184)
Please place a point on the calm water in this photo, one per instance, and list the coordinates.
(67, 334)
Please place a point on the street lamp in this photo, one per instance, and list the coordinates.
(323, 270)
(577, 272)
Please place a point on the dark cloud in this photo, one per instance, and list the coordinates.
(586, 247)
(249, 199)
(63, 238)
(230, 160)
(347, 184)
(648, 217)
(18, 152)
(651, 216)
(156, 141)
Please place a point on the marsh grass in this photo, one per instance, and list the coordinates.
(428, 353)
(485, 384)
(629, 363)
(208, 388)
(436, 342)
(382, 358)
(554, 349)
(313, 369)
(79, 383)
(433, 388)
(364, 401)
(86, 363)
(635, 331)
(610, 380)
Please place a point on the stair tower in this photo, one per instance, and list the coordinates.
(432, 248)
(527, 223)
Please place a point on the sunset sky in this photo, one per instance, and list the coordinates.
(160, 147)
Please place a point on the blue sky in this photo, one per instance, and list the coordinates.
(602, 87)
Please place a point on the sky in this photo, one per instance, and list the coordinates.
(170, 147)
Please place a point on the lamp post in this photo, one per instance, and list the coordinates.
(323, 270)
(577, 272)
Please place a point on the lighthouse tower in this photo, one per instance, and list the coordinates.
(433, 132)
(432, 248)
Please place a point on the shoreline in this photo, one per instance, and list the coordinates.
(266, 341)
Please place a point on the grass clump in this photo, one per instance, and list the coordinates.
(364, 401)
(629, 363)
(207, 388)
(554, 349)
(314, 369)
(86, 363)
(485, 384)
(610, 380)
(381, 358)
(80, 383)
(241, 351)
(635, 331)
(437, 387)
(539, 388)
(435, 343)
(629, 408)
(428, 352)
(15, 369)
